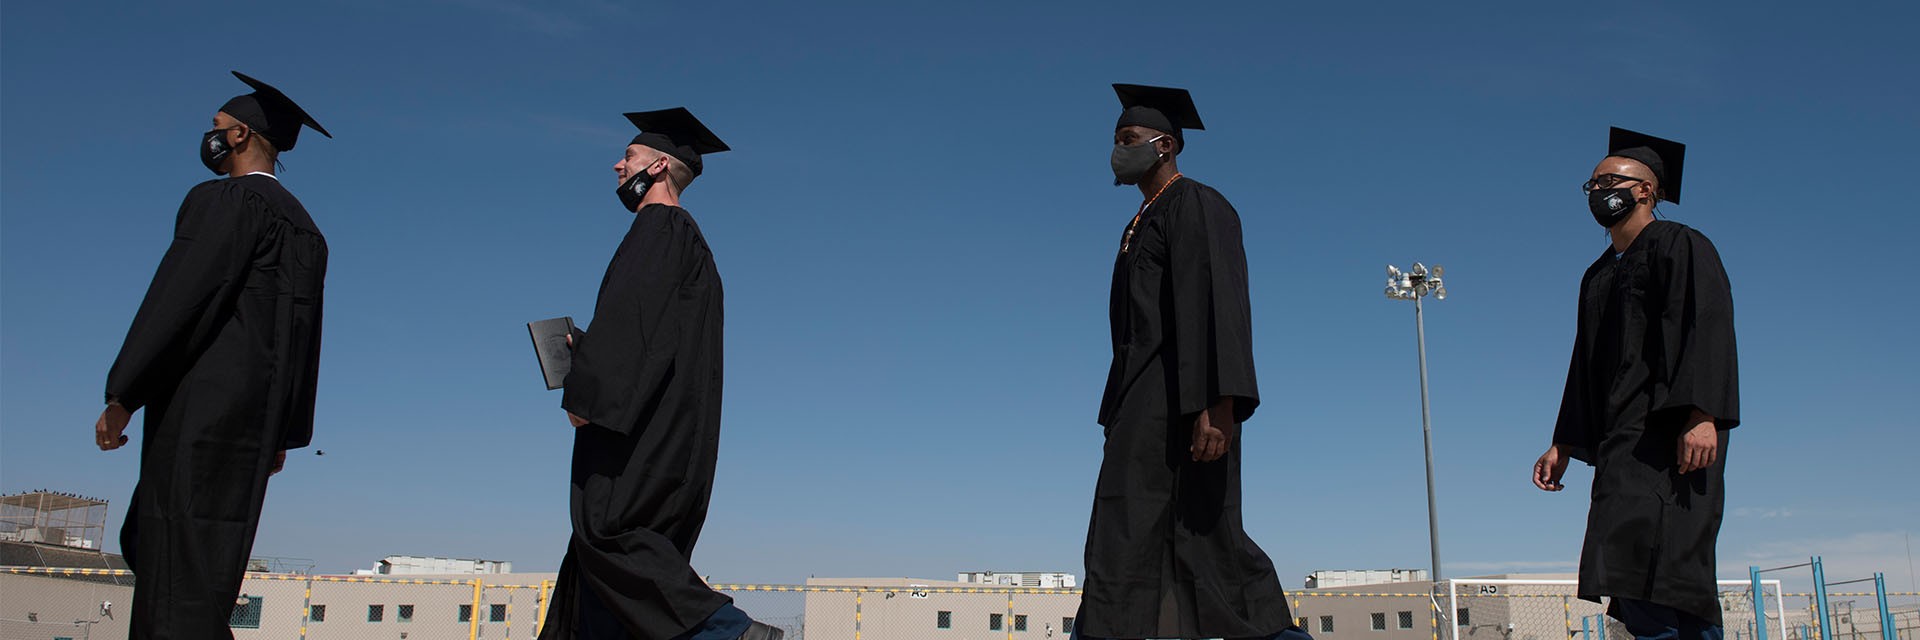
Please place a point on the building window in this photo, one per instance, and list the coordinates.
(1460, 618)
(1406, 619)
(405, 613)
(1380, 622)
(497, 613)
(994, 620)
(1326, 624)
(317, 613)
(1066, 625)
(943, 620)
(466, 613)
(246, 613)
(376, 612)
(1020, 622)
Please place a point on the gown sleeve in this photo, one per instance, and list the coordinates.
(1574, 429)
(1210, 316)
(625, 359)
(1696, 327)
(193, 291)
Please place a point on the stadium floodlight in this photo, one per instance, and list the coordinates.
(1414, 284)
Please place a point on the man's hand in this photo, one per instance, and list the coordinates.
(1214, 431)
(1549, 468)
(576, 421)
(107, 431)
(1699, 446)
(279, 462)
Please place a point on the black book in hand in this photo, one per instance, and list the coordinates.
(550, 345)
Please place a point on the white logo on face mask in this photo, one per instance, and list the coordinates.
(1613, 202)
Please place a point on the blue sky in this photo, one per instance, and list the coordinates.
(916, 229)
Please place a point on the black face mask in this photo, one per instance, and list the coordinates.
(1132, 162)
(214, 149)
(1610, 206)
(633, 190)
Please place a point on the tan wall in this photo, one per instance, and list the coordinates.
(436, 607)
(58, 601)
(65, 608)
(893, 609)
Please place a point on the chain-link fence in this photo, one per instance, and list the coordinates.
(1858, 616)
(1551, 609)
(49, 604)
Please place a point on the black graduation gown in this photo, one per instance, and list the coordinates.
(647, 377)
(223, 356)
(1167, 554)
(1655, 340)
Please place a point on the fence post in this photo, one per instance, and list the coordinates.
(1433, 609)
(1820, 599)
(1759, 604)
(473, 627)
(1886, 617)
(1586, 627)
(306, 609)
(546, 591)
(1009, 614)
(859, 598)
(1812, 612)
(1566, 607)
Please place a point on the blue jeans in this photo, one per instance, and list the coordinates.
(1649, 621)
(729, 623)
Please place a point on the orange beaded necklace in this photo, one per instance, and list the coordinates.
(1127, 241)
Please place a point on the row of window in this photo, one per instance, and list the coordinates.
(247, 615)
(997, 622)
(1379, 621)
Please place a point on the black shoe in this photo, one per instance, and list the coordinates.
(760, 631)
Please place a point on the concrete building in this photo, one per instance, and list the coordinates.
(58, 592)
(416, 607)
(917, 609)
(1326, 579)
(429, 565)
(1547, 610)
(45, 607)
(1034, 579)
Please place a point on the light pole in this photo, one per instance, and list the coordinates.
(1414, 285)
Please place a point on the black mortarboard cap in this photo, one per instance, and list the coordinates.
(677, 133)
(270, 113)
(1158, 108)
(1664, 157)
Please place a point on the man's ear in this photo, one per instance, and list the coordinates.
(242, 135)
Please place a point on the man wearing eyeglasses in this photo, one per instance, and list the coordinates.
(1652, 390)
